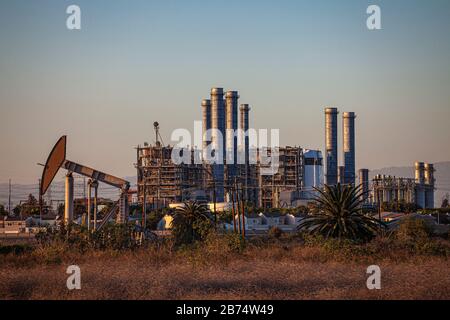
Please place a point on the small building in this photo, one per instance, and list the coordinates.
(272, 219)
(252, 222)
(292, 220)
(10, 225)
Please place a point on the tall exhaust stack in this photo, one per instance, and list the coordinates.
(218, 123)
(331, 145)
(244, 126)
(341, 175)
(364, 182)
(420, 172)
(348, 126)
(206, 124)
(429, 174)
(420, 181)
(429, 185)
(231, 125)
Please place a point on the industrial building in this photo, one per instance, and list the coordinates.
(289, 178)
(418, 190)
(161, 182)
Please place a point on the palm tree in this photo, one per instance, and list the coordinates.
(191, 222)
(340, 214)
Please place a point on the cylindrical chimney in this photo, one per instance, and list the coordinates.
(331, 145)
(231, 125)
(348, 125)
(429, 173)
(364, 182)
(217, 137)
(341, 174)
(420, 172)
(244, 126)
(206, 123)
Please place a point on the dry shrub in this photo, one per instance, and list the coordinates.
(223, 267)
(413, 230)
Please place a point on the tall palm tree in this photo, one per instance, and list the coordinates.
(340, 214)
(190, 222)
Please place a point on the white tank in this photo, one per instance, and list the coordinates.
(313, 171)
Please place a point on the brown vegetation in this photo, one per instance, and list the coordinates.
(291, 267)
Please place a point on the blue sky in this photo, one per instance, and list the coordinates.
(135, 62)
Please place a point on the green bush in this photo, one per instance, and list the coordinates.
(191, 223)
(275, 232)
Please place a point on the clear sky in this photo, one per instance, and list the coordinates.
(135, 62)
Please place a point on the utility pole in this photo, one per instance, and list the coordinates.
(144, 205)
(243, 212)
(377, 189)
(215, 199)
(84, 191)
(9, 198)
(238, 206)
(40, 203)
(233, 211)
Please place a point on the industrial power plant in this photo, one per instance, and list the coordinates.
(162, 183)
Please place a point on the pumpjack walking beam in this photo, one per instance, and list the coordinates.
(57, 159)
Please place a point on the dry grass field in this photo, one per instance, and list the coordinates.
(272, 270)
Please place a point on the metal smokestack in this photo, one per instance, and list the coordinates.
(429, 181)
(331, 145)
(218, 123)
(341, 174)
(206, 123)
(364, 182)
(231, 125)
(244, 126)
(348, 119)
(420, 172)
(420, 180)
(429, 173)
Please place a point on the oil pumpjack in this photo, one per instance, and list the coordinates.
(57, 160)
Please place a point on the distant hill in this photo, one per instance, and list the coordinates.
(20, 192)
(442, 176)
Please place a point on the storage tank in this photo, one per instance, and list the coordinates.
(313, 171)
